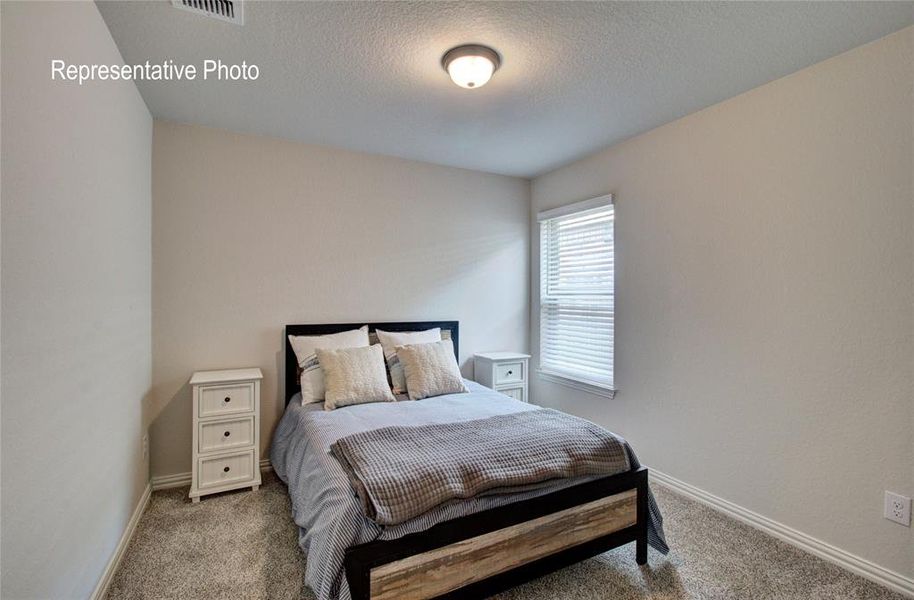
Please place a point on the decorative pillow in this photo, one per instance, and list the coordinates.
(389, 342)
(431, 370)
(354, 376)
(311, 375)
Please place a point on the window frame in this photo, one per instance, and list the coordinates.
(561, 377)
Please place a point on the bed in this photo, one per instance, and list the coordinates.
(463, 549)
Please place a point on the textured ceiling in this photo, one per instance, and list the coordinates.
(576, 76)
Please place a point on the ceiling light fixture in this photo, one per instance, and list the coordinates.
(471, 66)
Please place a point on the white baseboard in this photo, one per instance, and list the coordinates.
(842, 558)
(101, 587)
(165, 482)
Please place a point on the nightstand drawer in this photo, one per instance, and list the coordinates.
(220, 400)
(515, 392)
(225, 469)
(224, 435)
(509, 372)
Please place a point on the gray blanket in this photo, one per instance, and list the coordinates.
(402, 472)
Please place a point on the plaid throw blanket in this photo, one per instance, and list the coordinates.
(402, 472)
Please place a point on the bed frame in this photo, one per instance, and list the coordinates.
(487, 552)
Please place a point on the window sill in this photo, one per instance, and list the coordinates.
(591, 388)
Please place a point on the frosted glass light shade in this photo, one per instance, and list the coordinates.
(471, 71)
(471, 66)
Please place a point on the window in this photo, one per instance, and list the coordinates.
(577, 294)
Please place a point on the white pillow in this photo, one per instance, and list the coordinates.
(391, 339)
(354, 376)
(305, 347)
(431, 370)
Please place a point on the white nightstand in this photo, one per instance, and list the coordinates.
(504, 372)
(226, 450)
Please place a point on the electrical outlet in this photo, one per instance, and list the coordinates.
(146, 446)
(898, 508)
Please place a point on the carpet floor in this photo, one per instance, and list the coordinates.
(244, 545)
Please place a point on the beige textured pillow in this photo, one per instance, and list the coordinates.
(354, 376)
(390, 340)
(431, 370)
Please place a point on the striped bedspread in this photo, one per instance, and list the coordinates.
(328, 512)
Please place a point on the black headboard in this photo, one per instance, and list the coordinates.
(292, 386)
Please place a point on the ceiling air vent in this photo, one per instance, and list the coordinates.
(224, 10)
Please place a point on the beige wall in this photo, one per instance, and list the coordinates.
(252, 233)
(765, 310)
(76, 258)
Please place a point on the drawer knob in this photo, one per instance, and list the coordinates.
(510, 372)
(227, 433)
(226, 470)
(228, 399)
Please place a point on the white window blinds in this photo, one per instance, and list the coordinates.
(577, 292)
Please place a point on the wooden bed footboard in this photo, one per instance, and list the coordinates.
(487, 552)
